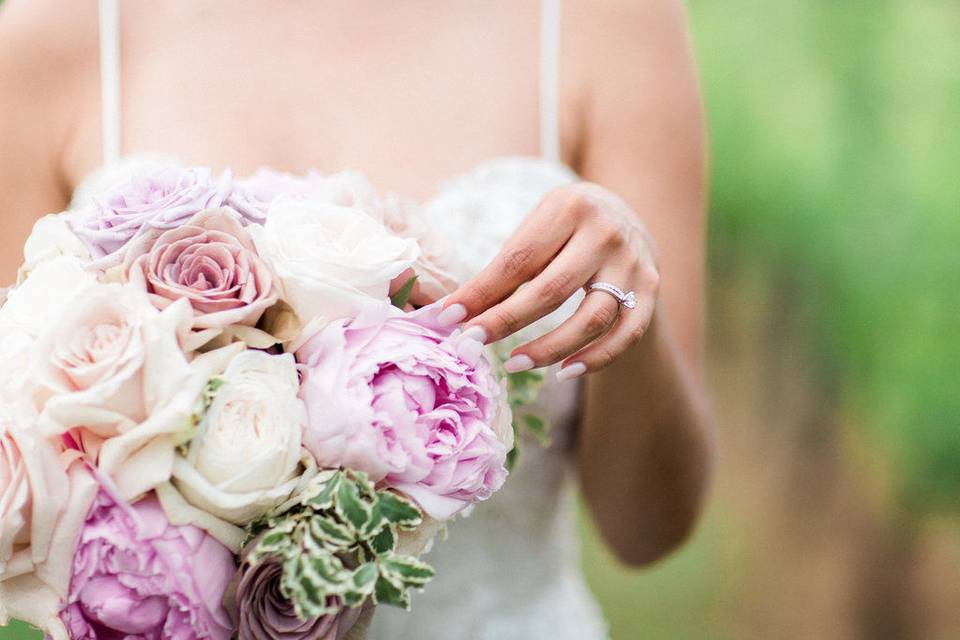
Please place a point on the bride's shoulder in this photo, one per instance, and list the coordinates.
(623, 26)
(43, 45)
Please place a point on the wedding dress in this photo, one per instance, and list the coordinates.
(510, 570)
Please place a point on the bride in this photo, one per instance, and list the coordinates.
(555, 146)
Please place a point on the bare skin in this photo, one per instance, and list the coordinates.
(413, 93)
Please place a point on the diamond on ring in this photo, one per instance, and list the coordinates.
(627, 299)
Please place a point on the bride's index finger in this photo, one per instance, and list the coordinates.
(525, 254)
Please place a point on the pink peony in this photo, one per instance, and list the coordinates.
(391, 394)
(159, 197)
(137, 576)
(210, 261)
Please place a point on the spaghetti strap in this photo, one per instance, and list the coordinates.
(110, 79)
(550, 11)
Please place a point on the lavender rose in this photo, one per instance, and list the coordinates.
(210, 261)
(253, 196)
(159, 197)
(135, 575)
(265, 613)
(391, 394)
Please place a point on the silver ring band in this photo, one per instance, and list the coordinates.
(626, 299)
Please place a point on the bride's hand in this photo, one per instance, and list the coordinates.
(577, 235)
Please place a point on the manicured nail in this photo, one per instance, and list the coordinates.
(476, 332)
(518, 363)
(452, 315)
(571, 371)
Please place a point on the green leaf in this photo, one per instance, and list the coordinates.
(388, 593)
(512, 456)
(537, 427)
(402, 296)
(391, 508)
(330, 531)
(350, 507)
(324, 497)
(364, 486)
(363, 582)
(406, 569)
(384, 541)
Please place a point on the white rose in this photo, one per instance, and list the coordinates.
(245, 458)
(332, 260)
(51, 237)
(41, 298)
(432, 268)
(110, 374)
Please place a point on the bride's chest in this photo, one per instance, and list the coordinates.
(407, 95)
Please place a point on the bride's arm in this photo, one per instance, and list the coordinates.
(638, 221)
(645, 449)
(39, 51)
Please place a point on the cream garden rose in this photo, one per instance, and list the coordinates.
(333, 261)
(111, 378)
(51, 237)
(245, 457)
(39, 300)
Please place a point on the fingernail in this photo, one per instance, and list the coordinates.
(571, 371)
(476, 332)
(452, 315)
(518, 363)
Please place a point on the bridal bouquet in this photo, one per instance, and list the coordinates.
(220, 417)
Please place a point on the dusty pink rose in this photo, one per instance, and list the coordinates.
(137, 576)
(210, 261)
(391, 394)
(157, 197)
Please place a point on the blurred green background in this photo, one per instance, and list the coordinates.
(834, 333)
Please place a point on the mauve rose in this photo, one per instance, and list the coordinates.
(392, 394)
(265, 614)
(156, 197)
(137, 576)
(210, 260)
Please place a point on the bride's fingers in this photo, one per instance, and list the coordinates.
(633, 323)
(569, 271)
(593, 318)
(532, 246)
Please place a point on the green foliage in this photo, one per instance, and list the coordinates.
(402, 296)
(523, 388)
(339, 539)
(835, 151)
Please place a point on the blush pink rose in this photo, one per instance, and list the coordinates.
(211, 262)
(393, 395)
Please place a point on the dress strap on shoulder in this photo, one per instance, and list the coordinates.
(550, 11)
(110, 79)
